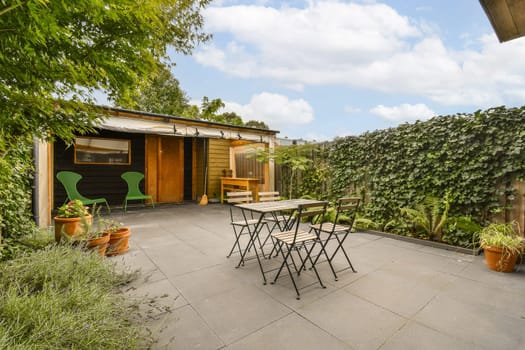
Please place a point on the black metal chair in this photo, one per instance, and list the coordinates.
(242, 224)
(278, 220)
(337, 231)
(298, 239)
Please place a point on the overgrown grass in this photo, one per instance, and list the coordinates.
(63, 298)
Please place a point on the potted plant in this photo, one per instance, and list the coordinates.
(92, 237)
(69, 219)
(501, 245)
(119, 237)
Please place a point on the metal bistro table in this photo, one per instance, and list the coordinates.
(269, 208)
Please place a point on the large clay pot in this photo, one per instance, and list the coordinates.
(70, 226)
(100, 244)
(499, 261)
(119, 241)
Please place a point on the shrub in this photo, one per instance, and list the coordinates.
(62, 298)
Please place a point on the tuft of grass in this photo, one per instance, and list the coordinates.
(63, 298)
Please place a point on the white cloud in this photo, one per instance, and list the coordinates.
(277, 111)
(362, 45)
(404, 112)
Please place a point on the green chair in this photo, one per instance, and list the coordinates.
(70, 180)
(133, 179)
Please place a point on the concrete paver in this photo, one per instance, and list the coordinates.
(404, 295)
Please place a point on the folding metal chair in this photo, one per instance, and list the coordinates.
(336, 231)
(298, 239)
(242, 224)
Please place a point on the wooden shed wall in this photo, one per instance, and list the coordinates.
(218, 159)
(98, 180)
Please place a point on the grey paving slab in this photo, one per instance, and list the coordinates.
(239, 312)
(179, 258)
(208, 282)
(400, 287)
(475, 323)
(184, 329)
(358, 323)
(404, 296)
(299, 334)
(414, 336)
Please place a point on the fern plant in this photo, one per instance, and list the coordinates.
(429, 216)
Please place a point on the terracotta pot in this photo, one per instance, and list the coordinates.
(498, 261)
(100, 244)
(70, 226)
(119, 242)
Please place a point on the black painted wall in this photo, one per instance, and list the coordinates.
(99, 180)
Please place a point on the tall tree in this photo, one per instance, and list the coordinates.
(257, 124)
(209, 108)
(162, 95)
(55, 54)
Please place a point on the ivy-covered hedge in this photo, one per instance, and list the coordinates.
(16, 174)
(473, 157)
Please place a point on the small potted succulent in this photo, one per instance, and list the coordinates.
(69, 219)
(502, 246)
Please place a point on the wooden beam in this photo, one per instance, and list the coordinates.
(507, 17)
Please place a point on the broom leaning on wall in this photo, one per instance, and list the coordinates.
(204, 198)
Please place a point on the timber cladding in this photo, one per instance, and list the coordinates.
(98, 180)
(218, 159)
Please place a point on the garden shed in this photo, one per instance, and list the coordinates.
(175, 154)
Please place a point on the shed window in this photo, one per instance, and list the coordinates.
(92, 150)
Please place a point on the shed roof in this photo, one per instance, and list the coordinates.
(507, 17)
(126, 120)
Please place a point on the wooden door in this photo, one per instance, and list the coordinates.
(170, 181)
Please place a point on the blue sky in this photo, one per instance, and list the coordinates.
(321, 69)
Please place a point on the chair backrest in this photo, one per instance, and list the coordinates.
(269, 196)
(313, 212)
(238, 197)
(69, 180)
(133, 179)
(347, 206)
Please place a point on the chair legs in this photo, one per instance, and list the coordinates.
(330, 258)
(288, 260)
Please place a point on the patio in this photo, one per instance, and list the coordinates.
(404, 296)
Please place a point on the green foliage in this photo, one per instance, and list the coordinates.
(73, 209)
(257, 124)
(292, 159)
(429, 216)
(468, 156)
(54, 55)
(502, 236)
(162, 95)
(61, 298)
(461, 231)
(16, 174)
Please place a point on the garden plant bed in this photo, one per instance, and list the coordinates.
(425, 242)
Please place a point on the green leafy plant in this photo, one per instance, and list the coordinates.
(502, 236)
(73, 209)
(461, 231)
(429, 216)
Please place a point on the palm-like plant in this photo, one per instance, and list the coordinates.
(429, 215)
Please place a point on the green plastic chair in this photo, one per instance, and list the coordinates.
(133, 179)
(69, 180)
